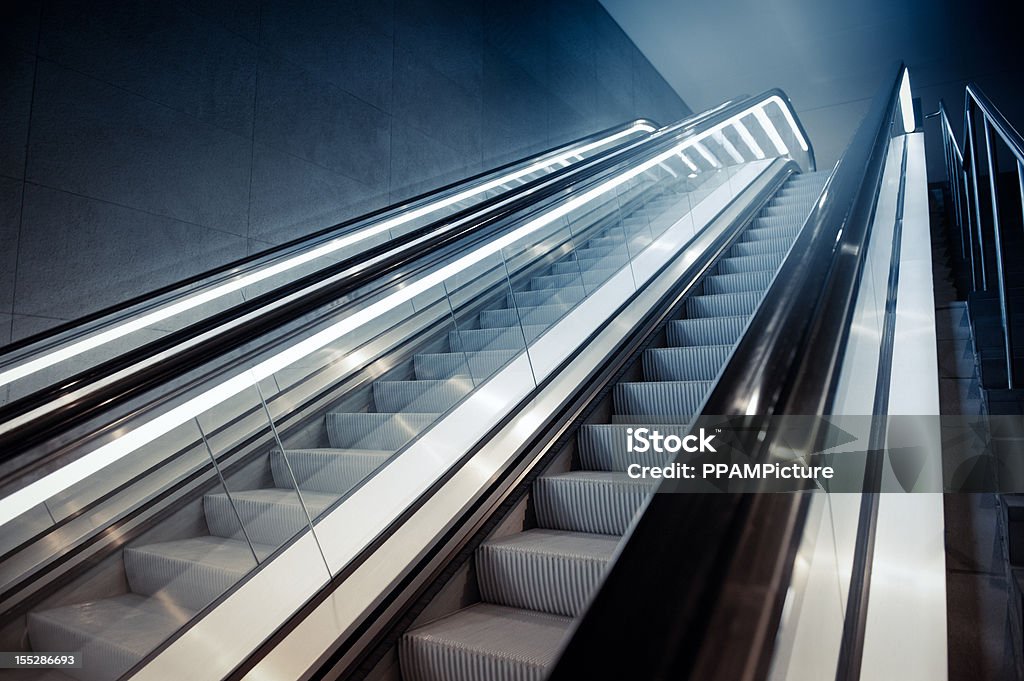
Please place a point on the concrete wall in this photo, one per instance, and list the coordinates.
(145, 140)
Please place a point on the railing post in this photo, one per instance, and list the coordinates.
(967, 226)
(1004, 306)
(977, 201)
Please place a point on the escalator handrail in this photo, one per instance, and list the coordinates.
(49, 337)
(466, 224)
(785, 363)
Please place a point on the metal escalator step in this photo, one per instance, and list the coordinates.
(747, 263)
(574, 266)
(192, 572)
(723, 304)
(706, 330)
(270, 516)
(670, 399)
(780, 222)
(380, 431)
(762, 233)
(333, 471)
(603, 446)
(761, 247)
(477, 364)
(592, 278)
(548, 571)
(112, 634)
(434, 397)
(483, 642)
(598, 502)
(569, 295)
(540, 314)
(699, 363)
(501, 338)
(758, 280)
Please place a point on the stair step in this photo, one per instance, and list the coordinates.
(270, 516)
(724, 304)
(549, 571)
(112, 634)
(788, 232)
(506, 317)
(574, 266)
(706, 330)
(483, 641)
(380, 431)
(698, 363)
(478, 364)
(668, 399)
(190, 573)
(747, 263)
(758, 280)
(603, 446)
(592, 278)
(435, 397)
(333, 471)
(598, 502)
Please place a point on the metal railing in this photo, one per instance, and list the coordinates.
(966, 189)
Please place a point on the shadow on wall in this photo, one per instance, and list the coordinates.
(147, 140)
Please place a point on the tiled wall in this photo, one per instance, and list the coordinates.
(145, 140)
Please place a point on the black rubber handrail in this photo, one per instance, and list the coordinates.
(435, 237)
(337, 229)
(786, 363)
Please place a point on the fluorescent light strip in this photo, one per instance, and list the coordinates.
(770, 130)
(749, 140)
(703, 151)
(907, 103)
(92, 342)
(38, 492)
(788, 115)
(688, 162)
(720, 137)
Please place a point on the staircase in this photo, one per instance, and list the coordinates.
(532, 584)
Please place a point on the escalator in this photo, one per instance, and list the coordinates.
(404, 460)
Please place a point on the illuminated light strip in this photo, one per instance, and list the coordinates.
(788, 115)
(749, 140)
(39, 491)
(77, 348)
(770, 130)
(703, 151)
(907, 103)
(688, 162)
(720, 137)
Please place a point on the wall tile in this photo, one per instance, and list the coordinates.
(238, 16)
(292, 197)
(446, 34)
(420, 163)
(93, 139)
(518, 31)
(321, 123)
(160, 50)
(16, 72)
(5, 333)
(436, 106)
(512, 99)
(331, 46)
(10, 216)
(22, 326)
(78, 255)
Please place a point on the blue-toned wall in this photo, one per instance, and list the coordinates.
(145, 140)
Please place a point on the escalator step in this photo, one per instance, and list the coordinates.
(434, 397)
(513, 338)
(706, 330)
(478, 364)
(698, 363)
(757, 280)
(380, 431)
(541, 314)
(550, 571)
(112, 634)
(574, 266)
(723, 304)
(592, 278)
(761, 247)
(602, 446)
(483, 641)
(599, 502)
(568, 295)
(333, 471)
(668, 399)
(770, 261)
(192, 572)
(761, 233)
(270, 516)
